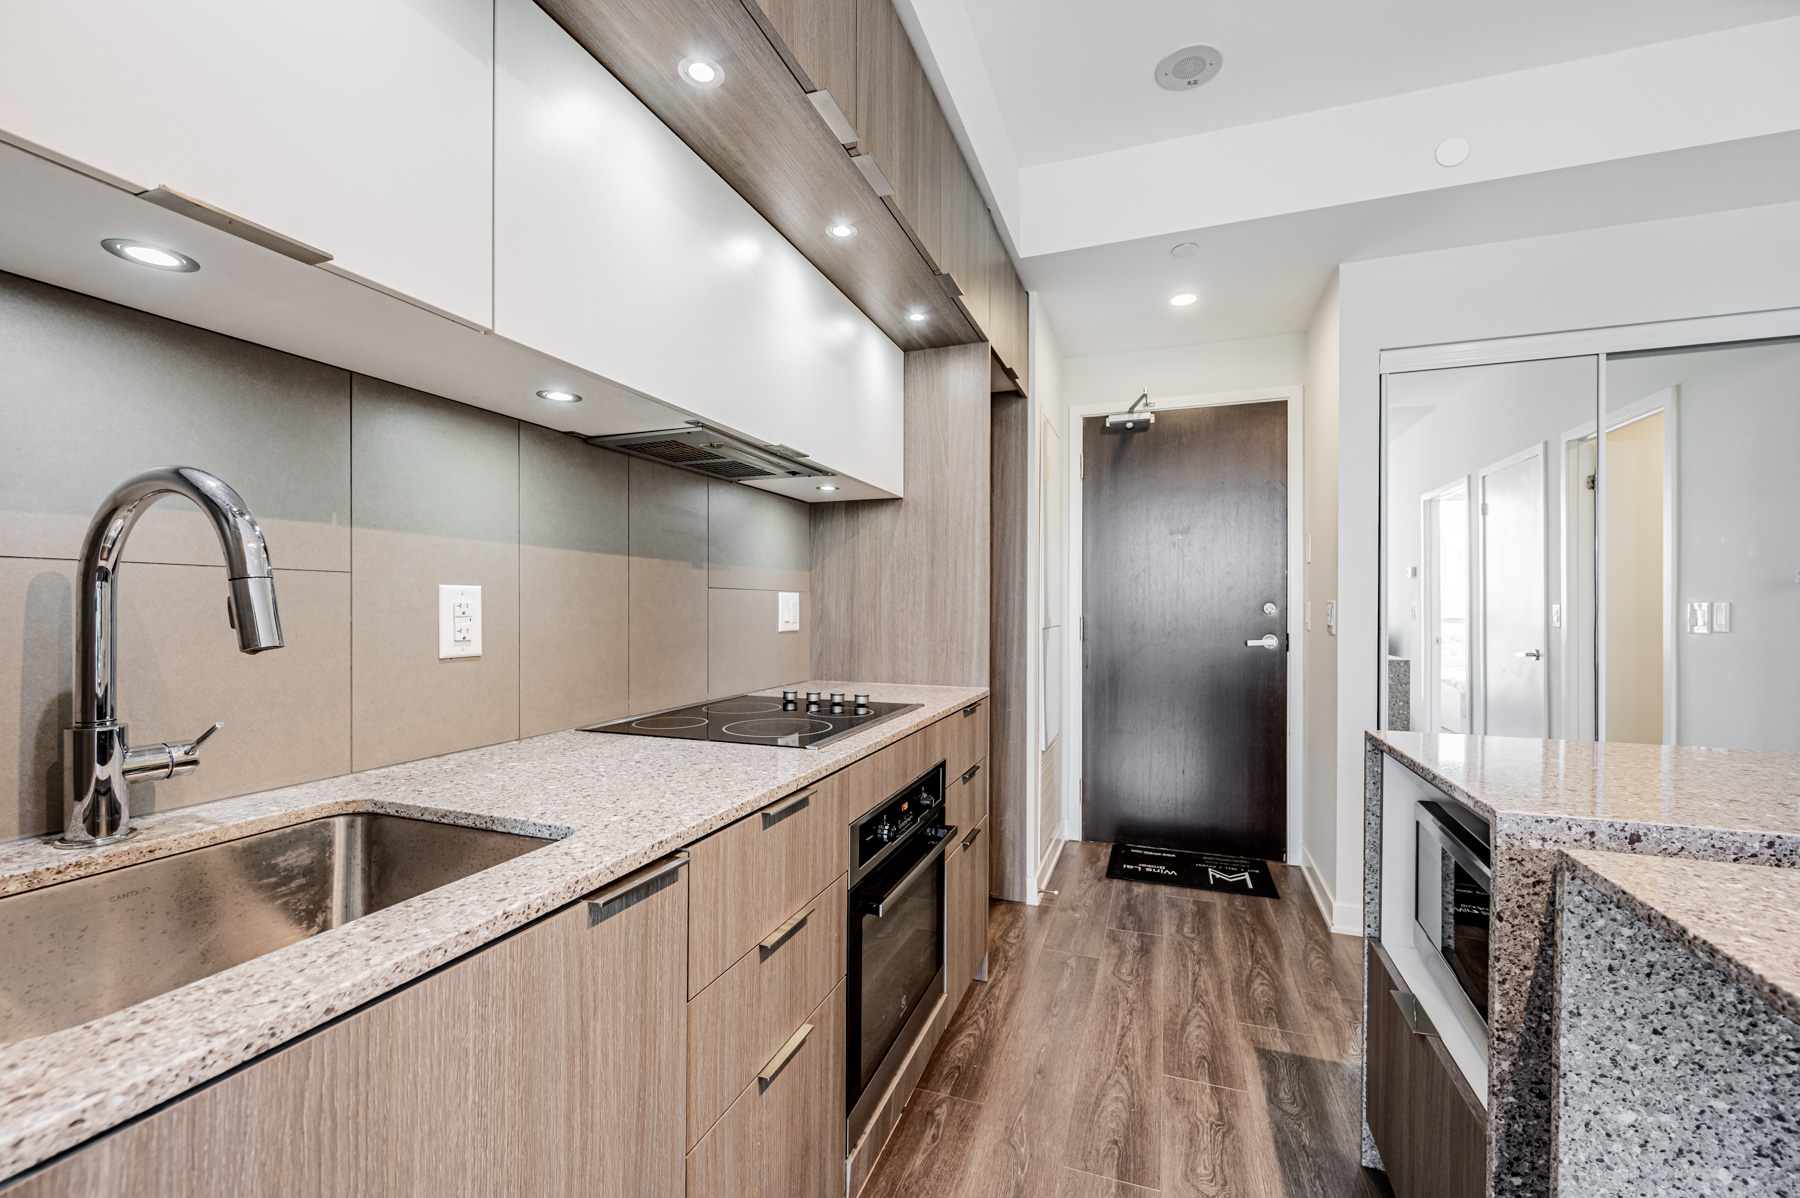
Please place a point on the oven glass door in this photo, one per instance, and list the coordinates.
(898, 952)
(1452, 906)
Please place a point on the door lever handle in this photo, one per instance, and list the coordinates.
(1271, 641)
(1533, 654)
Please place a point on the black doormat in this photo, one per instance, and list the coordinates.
(1197, 871)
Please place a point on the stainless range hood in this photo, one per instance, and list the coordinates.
(714, 452)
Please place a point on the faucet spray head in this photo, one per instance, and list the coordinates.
(251, 610)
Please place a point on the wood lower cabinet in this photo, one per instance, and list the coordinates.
(752, 875)
(783, 1137)
(548, 1063)
(740, 1022)
(1427, 1123)
(966, 905)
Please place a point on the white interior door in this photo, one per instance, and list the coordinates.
(1515, 641)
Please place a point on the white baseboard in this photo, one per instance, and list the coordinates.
(1346, 919)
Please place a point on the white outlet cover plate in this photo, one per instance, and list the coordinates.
(459, 622)
(787, 611)
(1721, 615)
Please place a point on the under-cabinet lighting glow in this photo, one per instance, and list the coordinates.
(826, 487)
(841, 229)
(701, 72)
(560, 396)
(915, 317)
(149, 255)
(1184, 299)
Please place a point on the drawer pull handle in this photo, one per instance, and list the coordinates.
(633, 889)
(779, 1061)
(971, 838)
(971, 771)
(972, 708)
(780, 811)
(1415, 1015)
(794, 923)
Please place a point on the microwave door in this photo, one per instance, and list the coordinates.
(1452, 886)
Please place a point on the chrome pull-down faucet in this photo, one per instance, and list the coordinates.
(98, 762)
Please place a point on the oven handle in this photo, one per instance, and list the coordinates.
(865, 905)
(1448, 843)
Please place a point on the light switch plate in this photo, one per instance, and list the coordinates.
(1721, 614)
(787, 611)
(1699, 618)
(1331, 617)
(459, 622)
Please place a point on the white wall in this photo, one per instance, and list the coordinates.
(1320, 833)
(1186, 370)
(1714, 264)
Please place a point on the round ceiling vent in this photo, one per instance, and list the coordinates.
(1188, 67)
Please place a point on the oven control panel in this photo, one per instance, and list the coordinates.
(894, 819)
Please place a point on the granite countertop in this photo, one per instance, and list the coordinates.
(1743, 920)
(613, 803)
(1562, 791)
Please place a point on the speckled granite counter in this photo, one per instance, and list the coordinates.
(614, 803)
(1541, 796)
(1678, 1050)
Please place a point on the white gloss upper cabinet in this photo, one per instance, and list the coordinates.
(361, 127)
(618, 250)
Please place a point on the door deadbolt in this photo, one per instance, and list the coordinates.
(1268, 609)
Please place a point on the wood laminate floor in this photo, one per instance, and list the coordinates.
(1135, 1039)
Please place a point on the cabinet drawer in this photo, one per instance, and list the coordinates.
(965, 737)
(742, 1019)
(784, 1135)
(1427, 1123)
(747, 878)
(966, 804)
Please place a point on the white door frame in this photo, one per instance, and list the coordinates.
(1478, 601)
(1294, 397)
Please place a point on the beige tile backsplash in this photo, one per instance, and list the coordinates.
(609, 584)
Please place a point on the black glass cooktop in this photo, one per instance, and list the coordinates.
(794, 719)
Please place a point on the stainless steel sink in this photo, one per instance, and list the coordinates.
(78, 950)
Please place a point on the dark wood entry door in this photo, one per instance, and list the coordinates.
(1184, 559)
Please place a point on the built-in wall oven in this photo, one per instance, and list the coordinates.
(896, 938)
(1453, 899)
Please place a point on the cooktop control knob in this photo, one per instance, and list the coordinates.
(812, 696)
(790, 696)
(884, 831)
(862, 700)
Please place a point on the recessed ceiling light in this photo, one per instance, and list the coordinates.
(841, 229)
(826, 487)
(915, 317)
(1452, 151)
(1184, 299)
(1186, 249)
(1188, 67)
(560, 396)
(149, 255)
(701, 72)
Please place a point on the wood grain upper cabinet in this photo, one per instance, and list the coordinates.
(817, 39)
(549, 1063)
(359, 127)
(900, 123)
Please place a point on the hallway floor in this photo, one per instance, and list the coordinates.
(1136, 1038)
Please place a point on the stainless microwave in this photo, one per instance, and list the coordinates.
(1452, 905)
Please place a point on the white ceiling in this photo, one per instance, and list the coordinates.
(1073, 77)
(1262, 277)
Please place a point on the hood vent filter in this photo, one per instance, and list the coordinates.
(713, 452)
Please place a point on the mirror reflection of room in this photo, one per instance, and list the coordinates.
(1485, 620)
(1633, 577)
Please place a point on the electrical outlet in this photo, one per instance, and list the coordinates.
(1721, 615)
(1331, 616)
(459, 622)
(1309, 615)
(787, 611)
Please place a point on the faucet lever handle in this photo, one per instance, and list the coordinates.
(201, 739)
